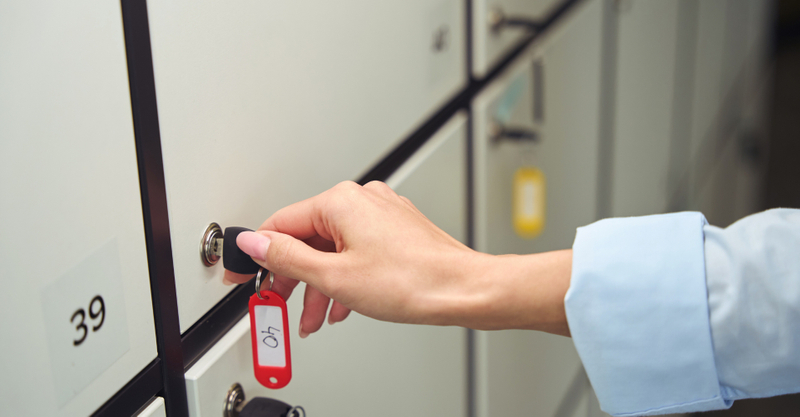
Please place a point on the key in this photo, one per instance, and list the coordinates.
(269, 326)
(268, 407)
(215, 243)
(258, 406)
(233, 258)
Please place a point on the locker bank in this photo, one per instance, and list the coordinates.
(128, 128)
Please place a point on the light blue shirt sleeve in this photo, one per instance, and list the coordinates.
(671, 315)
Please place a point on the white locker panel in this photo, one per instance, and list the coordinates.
(526, 372)
(155, 409)
(250, 102)
(435, 178)
(357, 367)
(77, 313)
(646, 59)
(489, 44)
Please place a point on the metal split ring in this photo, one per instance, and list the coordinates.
(296, 411)
(258, 281)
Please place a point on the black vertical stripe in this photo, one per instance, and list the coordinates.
(154, 204)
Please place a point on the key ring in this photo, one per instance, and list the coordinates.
(296, 411)
(258, 281)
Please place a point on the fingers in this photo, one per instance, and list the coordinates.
(231, 278)
(308, 218)
(411, 205)
(379, 187)
(283, 286)
(288, 257)
(315, 305)
(318, 243)
(338, 313)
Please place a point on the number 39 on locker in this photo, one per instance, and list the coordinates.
(269, 329)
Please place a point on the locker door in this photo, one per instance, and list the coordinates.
(707, 94)
(643, 121)
(362, 366)
(525, 372)
(250, 101)
(77, 313)
(729, 119)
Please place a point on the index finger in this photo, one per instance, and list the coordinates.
(307, 218)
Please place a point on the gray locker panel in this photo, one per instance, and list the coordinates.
(77, 313)
(524, 372)
(567, 150)
(251, 101)
(728, 156)
(646, 59)
(707, 85)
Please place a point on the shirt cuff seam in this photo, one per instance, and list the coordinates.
(658, 410)
(771, 393)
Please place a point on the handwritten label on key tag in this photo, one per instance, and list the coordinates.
(269, 330)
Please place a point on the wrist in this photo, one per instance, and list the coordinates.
(513, 292)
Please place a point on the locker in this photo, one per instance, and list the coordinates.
(643, 121)
(729, 103)
(707, 86)
(566, 151)
(77, 312)
(718, 191)
(736, 48)
(524, 372)
(358, 366)
(760, 15)
(250, 105)
(492, 41)
(362, 366)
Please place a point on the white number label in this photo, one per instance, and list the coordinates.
(269, 329)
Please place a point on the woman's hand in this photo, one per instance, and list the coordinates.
(372, 251)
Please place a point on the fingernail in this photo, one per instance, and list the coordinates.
(330, 320)
(226, 281)
(253, 244)
(303, 334)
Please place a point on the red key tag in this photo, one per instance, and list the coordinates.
(269, 330)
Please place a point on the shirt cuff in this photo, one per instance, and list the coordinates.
(637, 309)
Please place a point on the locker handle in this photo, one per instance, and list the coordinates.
(498, 20)
(499, 132)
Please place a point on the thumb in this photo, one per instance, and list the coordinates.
(285, 255)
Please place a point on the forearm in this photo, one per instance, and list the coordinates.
(511, 292)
